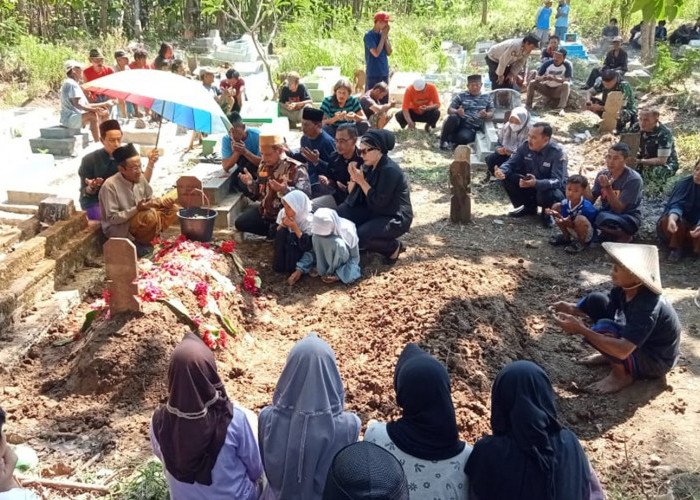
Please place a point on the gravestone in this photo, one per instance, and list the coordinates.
(632, 140)
(121, 270)
(460, 180)
(54, 209)
(613, 105)
(504, 101)
(189, 192)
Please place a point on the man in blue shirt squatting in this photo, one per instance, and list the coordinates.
(535, 175)
(240, 150)
(377, 51)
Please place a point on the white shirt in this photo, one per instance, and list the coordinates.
(70, 90)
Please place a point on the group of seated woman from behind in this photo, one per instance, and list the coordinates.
(304, 446)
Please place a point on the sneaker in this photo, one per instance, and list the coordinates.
(446, 146)
(548, 221)
(575, 247)
(522, 211)
(562, 112)
(559, 240)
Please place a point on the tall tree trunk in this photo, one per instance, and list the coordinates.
(357, 8)
(103, 16)
(647, 42)
(484, 11)
(137, 19)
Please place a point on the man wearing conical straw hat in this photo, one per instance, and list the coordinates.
(634, 329)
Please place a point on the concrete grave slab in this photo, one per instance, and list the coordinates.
(26, 197)
(216, 182)
(59, 132)
(71, 146)
(399, 83)
(120, 267)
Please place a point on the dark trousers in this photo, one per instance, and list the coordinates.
(494, 160)
(531, 198)
(430, 117)
(640, 364)
(453, 132)
(288, 250)
(493, 76)
(361, 127)
(377, 233)
(371, 81)
(237, 185)
(251, 221)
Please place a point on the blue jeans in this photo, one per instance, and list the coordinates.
(560, 31)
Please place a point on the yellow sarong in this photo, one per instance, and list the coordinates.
(146, 225)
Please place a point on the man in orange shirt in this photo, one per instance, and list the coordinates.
(421, 103)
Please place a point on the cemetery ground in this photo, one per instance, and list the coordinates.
(474, 295)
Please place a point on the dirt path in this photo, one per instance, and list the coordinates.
(475, 296)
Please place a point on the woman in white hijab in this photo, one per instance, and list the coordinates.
(510, 136)
(306, 425)
(293, 239)
(336, 247)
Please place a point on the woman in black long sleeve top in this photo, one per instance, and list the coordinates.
(379, 202)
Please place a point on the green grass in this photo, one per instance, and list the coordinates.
(687, 144)
(146, 483)
(32, 68)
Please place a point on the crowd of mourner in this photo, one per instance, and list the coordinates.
(341, 194)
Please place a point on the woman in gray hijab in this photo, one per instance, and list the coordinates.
(306, 425)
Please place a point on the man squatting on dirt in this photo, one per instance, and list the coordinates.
(634, 329)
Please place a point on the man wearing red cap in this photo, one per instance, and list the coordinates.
(377, 50)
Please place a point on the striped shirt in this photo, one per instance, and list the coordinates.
(330, 107)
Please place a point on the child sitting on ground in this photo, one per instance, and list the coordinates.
(336, 251)
(574, 216)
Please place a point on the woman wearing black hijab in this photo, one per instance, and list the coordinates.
(379, 199)
(207, 446)
(530, 456)
(425, 439)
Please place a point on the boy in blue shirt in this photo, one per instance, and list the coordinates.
(574, 216)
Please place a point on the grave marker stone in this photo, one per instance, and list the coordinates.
(460, 180)
(613, 104)
(189, 192)
(632, 140)
(120, 267)
(54, 209)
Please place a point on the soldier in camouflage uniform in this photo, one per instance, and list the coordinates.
(657, 159)
(277, 175)
(611, 81)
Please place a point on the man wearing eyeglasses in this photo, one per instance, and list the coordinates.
(333, 174)
(127, 206)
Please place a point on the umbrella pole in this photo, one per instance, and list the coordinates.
(160, 124)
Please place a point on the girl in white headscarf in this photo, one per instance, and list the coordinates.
(510, 136)
(306, 425)
(293, 239)
(336, 247)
